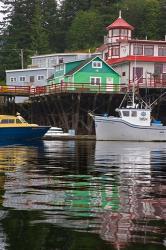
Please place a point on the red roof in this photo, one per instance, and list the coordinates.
(137, 58)
(120, 23)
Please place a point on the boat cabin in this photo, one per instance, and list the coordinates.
(4, 119)
(141, 117)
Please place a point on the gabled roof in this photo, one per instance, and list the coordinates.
(84, 63)
(120, 23)
(81, 65)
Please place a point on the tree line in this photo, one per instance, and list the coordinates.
(50, 26)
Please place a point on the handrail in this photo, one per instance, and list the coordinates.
(81, 88)
(78, 88)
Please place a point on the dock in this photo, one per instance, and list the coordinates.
(70, 137)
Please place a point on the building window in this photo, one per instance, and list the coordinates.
(40, 78)
(162, 50)
(32, 79)
(115, 32)
(96, 64)
(61, 60)
(95, 80)
(123, 73)
(148, 50)
(22, 78)
(138, 49)
(115, 51)
(61, 66)
(123, 32)
(164, 68)
(13, 79)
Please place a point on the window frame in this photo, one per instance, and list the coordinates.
(148, 49)
(21, 79)
(95, 77)
(162, 49)
(13, 77)
(39, 77)
(138, 49)
(115, 51)
(96, 66)
(126, 113)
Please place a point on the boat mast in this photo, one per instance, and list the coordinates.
(133, 89)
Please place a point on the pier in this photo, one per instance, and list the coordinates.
(67, 105)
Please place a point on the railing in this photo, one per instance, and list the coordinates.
(81, 88)
(78, 88)
(149, 83)
(15, 90)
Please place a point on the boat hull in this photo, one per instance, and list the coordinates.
(114, 129)
(22, 133)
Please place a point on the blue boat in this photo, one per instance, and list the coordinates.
(16, 128)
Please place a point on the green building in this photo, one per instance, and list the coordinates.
(92, 75)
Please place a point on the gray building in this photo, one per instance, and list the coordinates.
(41, 69)
(28, 77)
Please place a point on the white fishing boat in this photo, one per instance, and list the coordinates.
(134, 123)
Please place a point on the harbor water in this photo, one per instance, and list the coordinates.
(83, 195)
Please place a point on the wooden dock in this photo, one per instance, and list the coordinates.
(70, 137)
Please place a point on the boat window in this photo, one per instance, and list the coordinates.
(18, 121)
(11, 121)
(125, 113)
(22, 120)
(134, 113)
(4, 121)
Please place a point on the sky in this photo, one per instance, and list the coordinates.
(1, 16)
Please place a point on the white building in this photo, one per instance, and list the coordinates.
(141, 60)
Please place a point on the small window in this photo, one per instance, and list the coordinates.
(162, 51)
(4, 121)
(115, 51)
(126, 113)
(22, 78)
(95, 80)
(96, 64)
(134, 113)
(148, 50)
(40, 78)
(32, 78)
(13, 79)
(61, 66)
(11, 121)
(138, 49)
(123, 73)
(18, 121)
(61, 60)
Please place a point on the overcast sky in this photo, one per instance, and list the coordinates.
(0, 9)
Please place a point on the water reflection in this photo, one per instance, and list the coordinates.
(111, 189)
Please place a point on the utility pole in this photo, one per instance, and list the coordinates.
(22, 58)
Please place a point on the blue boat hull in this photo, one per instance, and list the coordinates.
(22, 133)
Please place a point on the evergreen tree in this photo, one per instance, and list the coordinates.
(143, 15)
(15, 35)
(162, 19)
(39, 39)
(51, 24)
(85, 31)
(68, 11)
